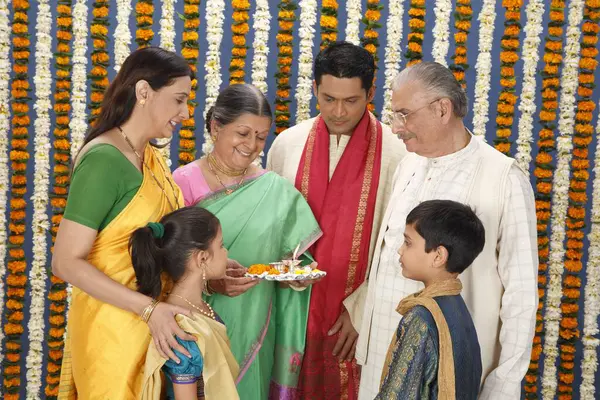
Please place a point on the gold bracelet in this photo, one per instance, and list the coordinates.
(148, 310)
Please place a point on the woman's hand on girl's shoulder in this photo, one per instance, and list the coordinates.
(164, 328)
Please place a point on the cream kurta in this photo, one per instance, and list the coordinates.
(284, 158)
(500, 288)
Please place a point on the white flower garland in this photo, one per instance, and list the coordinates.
(483, 66)
(354, 10)
(393, 55)
(261, 26)
(212, 66)
(122, 33)
(560, 197)
(441, 31)
(40, 198)
(5, 31)
(308, 19)
(527, 107)
(167, 25)
(167, 42)
(591, 308)
(78, 124)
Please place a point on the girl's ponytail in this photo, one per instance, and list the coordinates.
(147, 258)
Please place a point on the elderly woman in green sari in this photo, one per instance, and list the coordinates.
(264, 219)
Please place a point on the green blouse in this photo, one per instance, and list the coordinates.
(102, 185)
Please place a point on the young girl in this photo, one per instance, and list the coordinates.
(186, 246)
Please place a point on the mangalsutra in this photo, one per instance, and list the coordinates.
(216, 164)
(152, 173)
(228, 190)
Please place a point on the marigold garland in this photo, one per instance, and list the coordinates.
(144, 10)
(329, 22)
(16, 280)
(100, 57)
(508, 58)
(370, 40)
(576, 213)
(62, 159)
(189, 50)
(239, 28)
(544, 172)
(462, 24)
(286, 18)
(417, 12)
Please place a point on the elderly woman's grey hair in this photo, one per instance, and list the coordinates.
(437, 80)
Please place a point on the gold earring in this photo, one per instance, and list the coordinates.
(205, 288)
(142, 102)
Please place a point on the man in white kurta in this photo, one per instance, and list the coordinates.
(500, 288)
(343, 87)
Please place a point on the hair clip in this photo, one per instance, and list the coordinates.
(158, 229)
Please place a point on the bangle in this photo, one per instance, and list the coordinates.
(148, 310)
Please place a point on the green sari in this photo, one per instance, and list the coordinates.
(263, 221)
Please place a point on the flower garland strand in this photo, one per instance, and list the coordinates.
(37, 274)
(589, 361)
(261, 25)
(484, 67)
(239, 28)
(441, 31)
(508, 58)
(393, 54)
(354, 16)
(533, 30)
(544, 172)
(417, 12)
(144, 10)
(5, 30)
(308, 19)
(122, 33)
(329, 22)
(100, 57)
(462, 24)
(189, 50)
(286, 18)
(214, 28)
(16, 281)
(576, 213)
(78, 125)
(370, 41)
(553, 318)
(62, 160)
(167, 25)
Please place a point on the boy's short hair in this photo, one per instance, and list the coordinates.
(452, 225)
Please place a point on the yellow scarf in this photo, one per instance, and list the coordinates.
(105, 345)
(220, 367)
(446, 378)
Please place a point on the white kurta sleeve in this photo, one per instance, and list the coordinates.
(517, 267)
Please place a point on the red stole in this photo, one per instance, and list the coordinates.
(344, 208)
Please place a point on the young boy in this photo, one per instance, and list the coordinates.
(435, 353)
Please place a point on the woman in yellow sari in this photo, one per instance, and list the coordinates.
(120, 183)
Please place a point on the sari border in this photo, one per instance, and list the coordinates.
(255, 348)
(362, 207)
(281, 392)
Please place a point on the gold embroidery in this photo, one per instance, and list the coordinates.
(343, 381)
(310, 145)
(362, 207)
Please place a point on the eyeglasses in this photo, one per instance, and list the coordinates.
(401, 117)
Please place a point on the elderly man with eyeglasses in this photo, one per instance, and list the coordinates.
(500, 289)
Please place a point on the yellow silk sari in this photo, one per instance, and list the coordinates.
(106, 346)
(220, 367)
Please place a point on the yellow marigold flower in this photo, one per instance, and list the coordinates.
(191, 9)
(415, 23)
(506, 108)
(189, 53)
(555, 31)
(62, 35)
(460, 37)
(191, 23)
(373, 15)
(463, 25)
(417, 12)
(63, 9)
(464, 10)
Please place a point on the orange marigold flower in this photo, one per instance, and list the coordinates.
(460, 37)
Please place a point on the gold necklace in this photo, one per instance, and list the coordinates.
(210, 314)
(223, 169)
(228, 191)
(152, 173)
